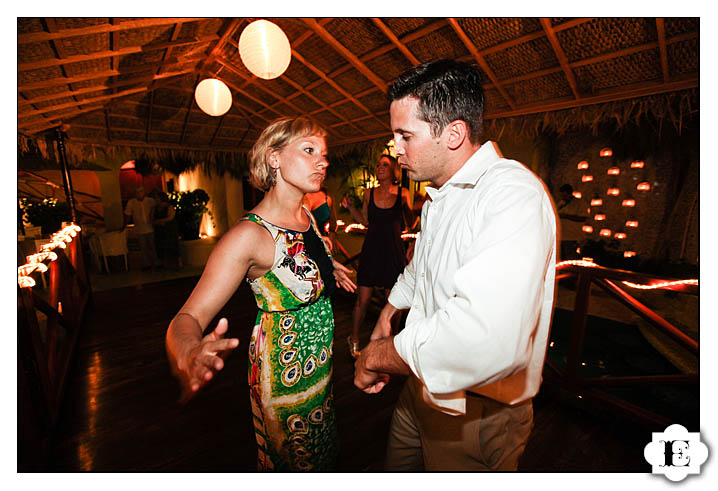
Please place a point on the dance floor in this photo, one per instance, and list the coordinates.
(120, 410)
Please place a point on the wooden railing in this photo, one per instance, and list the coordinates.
(49, 322)
(607, 279)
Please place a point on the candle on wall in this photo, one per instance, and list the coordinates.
(583, 165)
(637, 164)
(586, 178)
(628, 202)
(606, 152)
(613, 191)
(614, 171)
(644, 186)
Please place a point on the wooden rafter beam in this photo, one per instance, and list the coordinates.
(107, 123)
(173, 37)
(189, 111)
(480, 60)
(286, 79)
(395, 40)
(135, 144)
(560, 55)
(643, 91)
(55, 82)
(429, 28)
(234, 69)
(33, 65)
(334, 85)
(660, 28)
(108, 86)
(226, 32)
(346, 53)
(36, 37)
(89, 100)
(149, 117)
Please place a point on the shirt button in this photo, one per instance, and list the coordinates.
(422, 275)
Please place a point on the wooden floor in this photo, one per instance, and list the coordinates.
(120, 411)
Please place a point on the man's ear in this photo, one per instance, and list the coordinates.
(457, 132)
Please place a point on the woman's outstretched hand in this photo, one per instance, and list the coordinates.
(341, 276)
(204, 360)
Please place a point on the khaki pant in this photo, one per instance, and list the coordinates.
(490, 436)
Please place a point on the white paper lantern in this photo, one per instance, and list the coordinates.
(264, 49)
(213, 96)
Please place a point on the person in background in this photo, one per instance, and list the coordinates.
(140, 210)
(572, 212)
(321, 204)
(166, 232)
(277, 248)
(479, 289)
(385, 211)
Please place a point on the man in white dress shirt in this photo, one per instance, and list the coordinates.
(479, 289)
(140, 210)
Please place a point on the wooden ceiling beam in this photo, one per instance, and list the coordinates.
(107, 123)
(480, 60)
(286, 79)
(660, 28)
(189, 111)
(226, 32)
(36, 37)
(91, 100)
(112, 85)
(46, 84)
(346, 53)
(171, 146)
(395, 41)
(21, 67)
(149, 117)
(158, 131)
(644, 90)
(429, 28)
(334, 85)
(560, 55)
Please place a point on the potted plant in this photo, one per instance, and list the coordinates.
(189, 206)
(47, 214)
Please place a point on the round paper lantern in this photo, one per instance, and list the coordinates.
(213, 96)
(264, 49)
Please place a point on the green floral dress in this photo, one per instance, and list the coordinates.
(290, 360)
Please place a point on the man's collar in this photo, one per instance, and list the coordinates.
(471, 171)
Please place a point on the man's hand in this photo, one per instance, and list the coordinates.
(204, 360)
(374, 364)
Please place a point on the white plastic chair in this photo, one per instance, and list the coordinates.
(113, 244)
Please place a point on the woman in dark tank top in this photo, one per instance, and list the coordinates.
(385, 212)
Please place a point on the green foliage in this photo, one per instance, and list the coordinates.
(47, 214)
(189, 208)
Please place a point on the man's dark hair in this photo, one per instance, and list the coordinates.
(447, 90)
(566, 188)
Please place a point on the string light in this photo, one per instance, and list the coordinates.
(606, 152)
(629, 254)
(340, 223)
(619, 235)
(664, 284)
(587, 228)
(600, 217)
(605, 232)
(586, 261)
(354, 226)
(632, 223)
(644, 186)
(409, 236)
(35, 261)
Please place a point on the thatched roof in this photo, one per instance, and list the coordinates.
(123, 82)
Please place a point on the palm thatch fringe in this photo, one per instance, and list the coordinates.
(679, 109)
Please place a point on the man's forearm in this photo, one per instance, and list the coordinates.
(381, 356)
